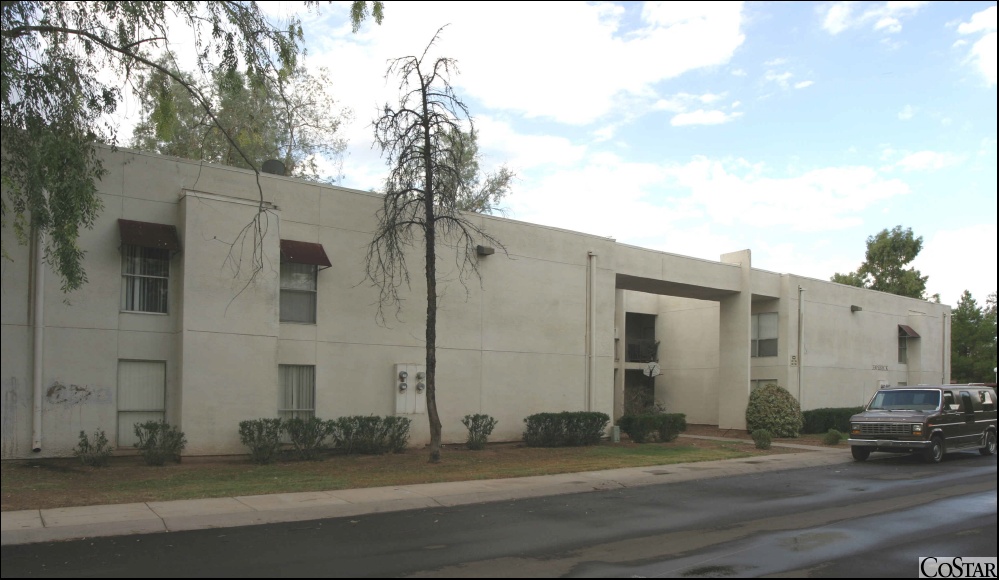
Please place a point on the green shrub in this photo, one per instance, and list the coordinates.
(565, 429)
(159, 441)
(480, 427)
(832, 437)
(661, 427)
(397, 433)
(370, 435)
(93, 452)
(774, 409)
(308, 436)
(263, 437)
(762, 438)
(822, 420)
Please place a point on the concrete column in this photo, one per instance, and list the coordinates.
(619, 351)
(735, 330)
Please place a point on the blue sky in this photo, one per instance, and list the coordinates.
(794, 129)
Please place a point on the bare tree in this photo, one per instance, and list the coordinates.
(422, 197)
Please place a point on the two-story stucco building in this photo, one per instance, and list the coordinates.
(173, 325)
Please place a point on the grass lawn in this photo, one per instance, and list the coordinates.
(45, 484)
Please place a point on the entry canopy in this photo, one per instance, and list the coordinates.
(149, 235)
(906, 332)
(304, 253)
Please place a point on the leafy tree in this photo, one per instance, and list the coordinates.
(973, 340)
(422, 196)
(478, 193)
(295, 121)
(884, 267)
(63, 67)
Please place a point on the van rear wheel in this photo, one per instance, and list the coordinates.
(990, 444)
(935, 452)
(860, 453)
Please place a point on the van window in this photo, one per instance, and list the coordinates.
(986, 398)
(949, 401)
(910, 400)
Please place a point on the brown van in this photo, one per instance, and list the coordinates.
(932, 421)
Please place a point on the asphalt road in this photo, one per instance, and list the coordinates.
(873, 519)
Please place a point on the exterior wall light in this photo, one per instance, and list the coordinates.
(485, 250)
(855, 308)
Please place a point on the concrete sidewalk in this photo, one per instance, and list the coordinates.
(32, 526)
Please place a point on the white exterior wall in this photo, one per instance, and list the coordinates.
(510, 345)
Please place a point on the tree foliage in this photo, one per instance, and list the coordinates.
(884, 267)
(973, 340)
(294, 120)
(64, 68)
(421, 202)
(478, 193)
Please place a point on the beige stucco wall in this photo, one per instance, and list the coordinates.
(511, 343)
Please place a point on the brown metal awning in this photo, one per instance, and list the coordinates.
(304, 253)
(149, 235)
(906, 332)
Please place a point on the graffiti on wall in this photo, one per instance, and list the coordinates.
(61, 394)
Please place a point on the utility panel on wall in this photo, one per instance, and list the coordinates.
(410, 384)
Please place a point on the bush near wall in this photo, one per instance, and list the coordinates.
(565, 429)
(370, 435)
(262, 437)
(159, 441)
(659, 427)
(822, 420)
(774, 409)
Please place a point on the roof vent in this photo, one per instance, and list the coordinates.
(273, 166)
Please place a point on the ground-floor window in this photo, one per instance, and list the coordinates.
(141, 396)
(753, 385)
(297, 391)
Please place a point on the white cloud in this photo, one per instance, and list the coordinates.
(884, 17)
(521, 152)
(702, 117)
(907, 113)
(803, 84)
(775, 62)
(927, 161)
(983, 51)
(682, 102)
(956, 260)
(575, 80)
(783, 80)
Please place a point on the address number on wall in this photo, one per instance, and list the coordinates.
(880, 367)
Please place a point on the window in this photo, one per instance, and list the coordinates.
(141, 396)
(297, 391)
(904, 334)
(300, 265)
(753, 385)
(145, 277)
(298, 292)
(765, 335)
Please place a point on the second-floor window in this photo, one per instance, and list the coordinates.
(145, 279)
(298, 293)
(765, 327)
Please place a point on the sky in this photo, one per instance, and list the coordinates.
(794, 129)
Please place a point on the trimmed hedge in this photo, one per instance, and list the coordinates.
(370, 435)
(480, 427)
(159, 441)
(773, 408)
(660, 427)
(263, 437)
(822, 420)
(308, 436)
(833, 437)
(565, 429)
(762, 439)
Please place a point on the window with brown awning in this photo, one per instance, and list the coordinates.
(309, 253)
(149, 235)
(906, 332)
